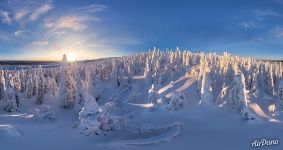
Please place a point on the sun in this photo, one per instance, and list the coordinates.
(71, 57)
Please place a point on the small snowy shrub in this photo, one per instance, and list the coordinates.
(175, 102)
(246, 114)
(99, 120)
(44, 113)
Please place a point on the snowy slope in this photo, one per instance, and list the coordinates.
(148, 125)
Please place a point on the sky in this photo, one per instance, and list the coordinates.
(88, 29)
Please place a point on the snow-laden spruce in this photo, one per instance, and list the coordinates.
(2, 86)
(12, 103)
(280, 92)
(79, 93)
(66, 85)
(237, 97)
(40, 88)
(153, 94)
(98, 120)
(206, 90)
(161, 68)
(176, 101)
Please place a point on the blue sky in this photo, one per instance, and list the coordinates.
(45, 29)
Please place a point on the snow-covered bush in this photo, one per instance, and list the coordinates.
(98, 120)
(43, 112)
(176, 101)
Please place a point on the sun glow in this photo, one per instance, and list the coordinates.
(71, 57)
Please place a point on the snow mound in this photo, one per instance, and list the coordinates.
(148, 136)
(43, 112)
(9, 131)
(257, 109)
(146, 105)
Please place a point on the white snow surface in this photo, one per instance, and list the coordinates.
(9, 131)
(202, 127)
(148, 126)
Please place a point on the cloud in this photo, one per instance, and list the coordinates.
(277, 31)
(76, 20)
(4, 36)
(44, 8)
(256, 18)
(68, 23)
(93, 8)
(25, 11)
(20, 33)
(5, 17)
(248, 24)
(74, 23)
(41, 43)
(261, 14)
(20, 14)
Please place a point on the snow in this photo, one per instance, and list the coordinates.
(151, 135)
(146, 105)
(119, 108)
(9, 131)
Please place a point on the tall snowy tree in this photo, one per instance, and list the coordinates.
(206, 90)
(91, 84)
(17, 82)
(52, 86)
(40, 87)
(10, 96)
(2, 86)
(153, 94)
(29, 87)
(23, 79)
(237, 97)
(79, 94)
(280, 91)
(66, 87)
(35, 82)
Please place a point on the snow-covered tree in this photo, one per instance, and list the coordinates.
(91, 84)
(66, 86)
(29, 87)
(79, 94)
(255, 84)
(40, 89)
(52, 86)
(206, 90)
(2, 86)
(237, 97)
(176, 101)
(153, 94)
(35, 83)
(265, 81)
(280, 91)
(17, 82)
(98, 120)
(23, 79)
(10, 96)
